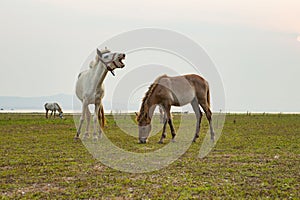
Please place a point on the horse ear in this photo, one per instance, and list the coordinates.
(99, 53)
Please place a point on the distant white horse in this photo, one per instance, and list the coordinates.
(53, 107)
(90, 90)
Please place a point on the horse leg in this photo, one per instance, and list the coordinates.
(101, 119)
(88, 121)
(163, 136)
(169, 119)
(162, 114)
(95, 120)
(170, 122)
(166, 119)
(54, 113)
(47, 113)
(84, 107)
(209, 118)
(198, 114)
(51, 113)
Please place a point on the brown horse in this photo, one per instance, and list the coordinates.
(174, 91)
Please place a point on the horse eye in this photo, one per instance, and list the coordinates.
(106, 56)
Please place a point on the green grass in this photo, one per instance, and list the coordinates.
(256, 157)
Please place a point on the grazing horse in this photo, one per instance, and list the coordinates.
(174, 91)
(53, 107)
(90, 89)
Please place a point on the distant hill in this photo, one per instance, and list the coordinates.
(8, 103)
(34, 103)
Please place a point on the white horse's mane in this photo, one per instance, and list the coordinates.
(95, 62)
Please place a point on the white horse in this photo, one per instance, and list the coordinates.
(90, 90)
(53, 107)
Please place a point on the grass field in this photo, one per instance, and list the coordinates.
(258, 156)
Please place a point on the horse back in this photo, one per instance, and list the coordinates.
(181, 90)
(201, 87)
(177, 90)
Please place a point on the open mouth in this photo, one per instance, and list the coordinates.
(121, 57)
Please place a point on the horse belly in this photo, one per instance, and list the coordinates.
(181, 100)
(183, 95)
(180, 91)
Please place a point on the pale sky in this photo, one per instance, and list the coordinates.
(254, 44)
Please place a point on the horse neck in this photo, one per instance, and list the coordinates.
(58, 107)
(99, 73)
(149, 107)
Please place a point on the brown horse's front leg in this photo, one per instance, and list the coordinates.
(172, 129)
(163, 135)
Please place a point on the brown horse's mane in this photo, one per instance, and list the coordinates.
(144, 105)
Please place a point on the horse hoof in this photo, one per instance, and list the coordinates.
(85, 137)
(76, 138)
(173, 140)
(160, 142)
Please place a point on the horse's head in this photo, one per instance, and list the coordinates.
(111, 60)
(144, 124)
(61, 115)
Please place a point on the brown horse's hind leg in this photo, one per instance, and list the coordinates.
(172, 129)
(198, 114)
(209, 118)
(169, 119)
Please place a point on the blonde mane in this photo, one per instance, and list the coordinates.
(95, 62)
(145, 106)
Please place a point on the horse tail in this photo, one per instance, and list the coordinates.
(208, 97)
(101, 114)
(45, 105)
